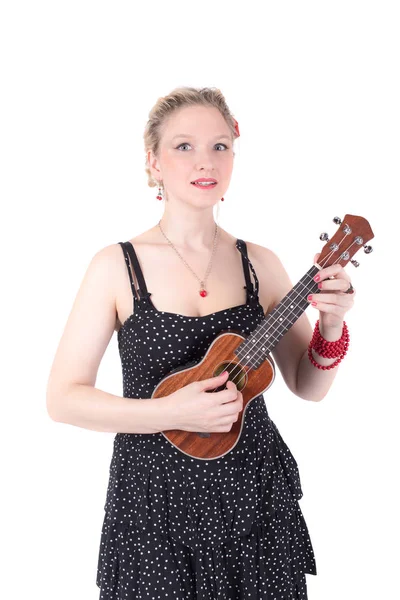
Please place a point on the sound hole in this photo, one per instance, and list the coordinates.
(236, 374)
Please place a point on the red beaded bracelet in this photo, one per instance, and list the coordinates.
(328, 349)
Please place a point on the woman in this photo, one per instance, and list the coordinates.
(175, 526)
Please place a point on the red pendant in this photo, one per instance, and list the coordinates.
(203, 293)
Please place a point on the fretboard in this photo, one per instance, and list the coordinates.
(255, 348)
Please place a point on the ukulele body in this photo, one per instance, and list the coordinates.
(250, 382)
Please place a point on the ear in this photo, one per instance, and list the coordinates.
(153, 165)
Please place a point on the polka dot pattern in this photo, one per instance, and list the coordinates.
(182, 528)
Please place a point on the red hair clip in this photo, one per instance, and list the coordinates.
(236, 127)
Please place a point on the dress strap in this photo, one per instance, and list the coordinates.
(132, 264)
(252, 292)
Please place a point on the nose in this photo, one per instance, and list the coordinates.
(205, 160)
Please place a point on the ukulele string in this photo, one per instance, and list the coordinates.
(271, 323)
(259, 335)
(238, 365)
(272, 330)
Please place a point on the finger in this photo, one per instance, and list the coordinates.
(333, 270)
(333, 309)
(341, 284)
(212, 382)
(341, 300)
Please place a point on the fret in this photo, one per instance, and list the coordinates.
(255, 348)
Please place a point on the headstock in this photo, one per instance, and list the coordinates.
(353, 233)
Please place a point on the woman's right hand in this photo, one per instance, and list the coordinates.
(193, 408)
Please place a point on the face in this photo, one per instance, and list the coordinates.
(196, 143)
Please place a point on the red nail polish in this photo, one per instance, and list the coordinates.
(317, 278)
(313, 304)
(320, 285)
(309, 297)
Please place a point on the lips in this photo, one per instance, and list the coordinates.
(205, 183)
(204, 186)
(205, 180)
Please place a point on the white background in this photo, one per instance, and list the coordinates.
(315, 89)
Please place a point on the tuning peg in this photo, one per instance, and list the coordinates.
(324, 237)
(354, 262)
(367, 249)
(337, 220)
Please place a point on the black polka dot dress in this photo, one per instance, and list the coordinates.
(180, 528)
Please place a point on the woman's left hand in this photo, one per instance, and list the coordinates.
(332, 301)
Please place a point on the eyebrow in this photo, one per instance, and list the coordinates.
(187, 135)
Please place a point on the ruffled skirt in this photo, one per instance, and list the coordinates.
(224, 529)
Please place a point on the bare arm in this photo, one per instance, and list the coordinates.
(71, 395)
(88, 407)
(290, 354)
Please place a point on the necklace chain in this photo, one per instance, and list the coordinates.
(202, 281)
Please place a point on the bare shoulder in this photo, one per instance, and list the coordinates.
(109, 263)
(261, 253)
(273, 279)
(108, 258)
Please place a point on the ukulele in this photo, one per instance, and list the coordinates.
(247, 357)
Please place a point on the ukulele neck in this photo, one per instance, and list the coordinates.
(256, 347)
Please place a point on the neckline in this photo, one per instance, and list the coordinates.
(142, 287)
(153, 309)
(144, 296)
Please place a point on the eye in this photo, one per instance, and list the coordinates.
(186, 144)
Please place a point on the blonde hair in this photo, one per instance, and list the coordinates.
(179, 98)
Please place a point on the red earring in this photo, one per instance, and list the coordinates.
(222, 199)
(159, 196)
